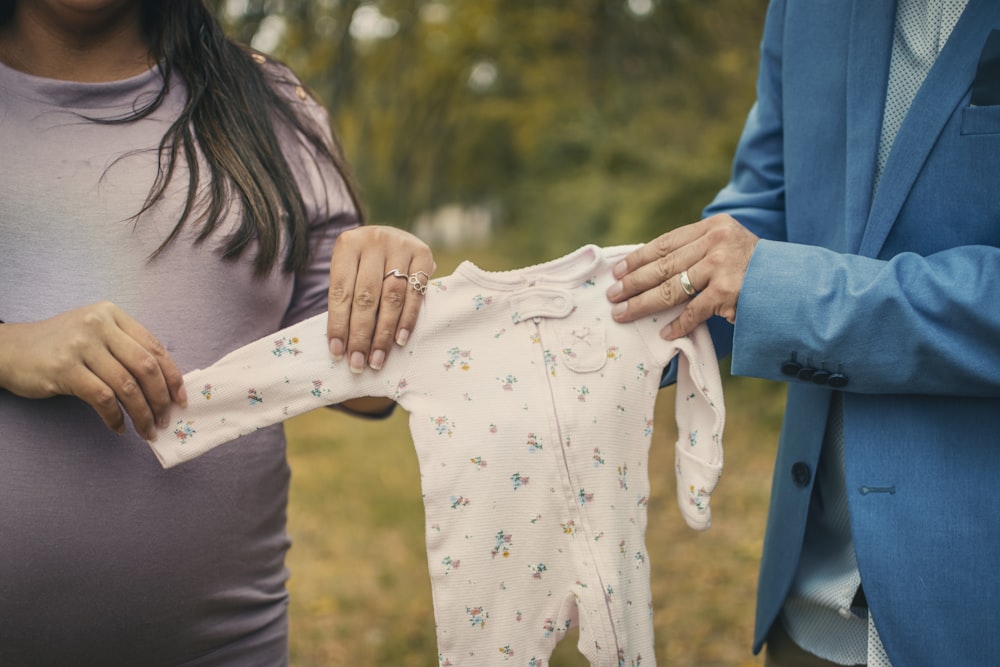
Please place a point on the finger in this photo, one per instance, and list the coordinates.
(661, 297)
(96, 393)
(343, 278)
(697, 311)
(110, 389)
(164, 370)
(134, 376)
(147, 361)
(657, 261)
(395, 286)
(686, 284)
(422, 267)
(364, 308)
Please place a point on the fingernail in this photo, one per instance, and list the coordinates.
(402, 337)
(618, 309)
(336, 349)
(620, 269)
(357, 362)
(615, 290)
(151, 436)
(378, 358)
(182, 397)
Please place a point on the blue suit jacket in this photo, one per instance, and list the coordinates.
(900, 293)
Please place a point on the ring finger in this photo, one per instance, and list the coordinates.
(684, 279)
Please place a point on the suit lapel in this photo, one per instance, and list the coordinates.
(946, 84)
(867, 75)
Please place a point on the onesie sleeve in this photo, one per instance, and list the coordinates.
(263, 383)
(699, 412)
(700, 415)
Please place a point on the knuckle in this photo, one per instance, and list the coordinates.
(365, 300)
(664, 292)
(690, 318)
(50, 387)
(93, 319)
(128, 388)
(338, 295)
(349, 236)
(393, 298)
(74, 347)
(661, 246)
(718, 235)
(104, 398)
(105, 308)
(156, 348)
(148, 365)
(664, 267)
(718, 219)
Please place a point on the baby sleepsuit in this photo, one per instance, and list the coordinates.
(531, 412)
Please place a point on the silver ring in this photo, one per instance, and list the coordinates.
(395, 273)
(686, 284)
(414, 279)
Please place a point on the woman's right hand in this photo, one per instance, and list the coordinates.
(100, 355)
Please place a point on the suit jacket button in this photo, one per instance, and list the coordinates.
(821, 377)
(806, 373)
(837, 380)
(791, 367)
(801, 474)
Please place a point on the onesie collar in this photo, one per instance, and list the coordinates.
(566, 272)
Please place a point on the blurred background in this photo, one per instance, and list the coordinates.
(510, 132)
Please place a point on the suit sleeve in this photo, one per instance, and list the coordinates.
(907, 325)
(755, 194)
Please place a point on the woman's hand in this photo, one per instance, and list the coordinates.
(701, 264)
(368, 308)
(100, 355)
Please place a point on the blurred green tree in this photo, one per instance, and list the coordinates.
(569, 122)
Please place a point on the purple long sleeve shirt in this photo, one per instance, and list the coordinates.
(106, 558)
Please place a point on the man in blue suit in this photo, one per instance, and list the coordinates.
(856, 250)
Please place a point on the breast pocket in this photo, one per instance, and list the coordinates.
(980, 120)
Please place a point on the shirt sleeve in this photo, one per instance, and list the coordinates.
(328, 203)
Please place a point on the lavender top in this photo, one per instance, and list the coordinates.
(106, 558)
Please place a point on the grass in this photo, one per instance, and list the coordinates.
(360, 591)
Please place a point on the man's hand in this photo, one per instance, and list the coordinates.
(713, 253)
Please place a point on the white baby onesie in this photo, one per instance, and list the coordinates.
(531, 412)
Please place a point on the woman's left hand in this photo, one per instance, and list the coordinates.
(377, 277)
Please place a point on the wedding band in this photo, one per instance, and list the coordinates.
(395, 273)
(686, 284)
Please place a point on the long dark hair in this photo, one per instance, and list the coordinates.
(229, 116)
